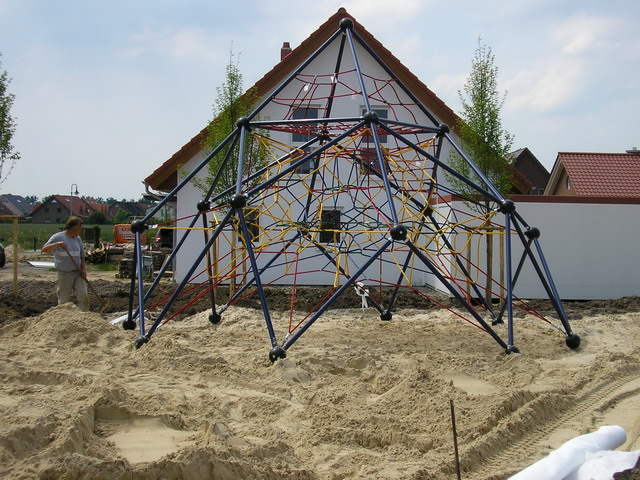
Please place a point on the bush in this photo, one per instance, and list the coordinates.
(97, 218)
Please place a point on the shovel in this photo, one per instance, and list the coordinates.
(103, 302)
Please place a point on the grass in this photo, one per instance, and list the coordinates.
(31, 236)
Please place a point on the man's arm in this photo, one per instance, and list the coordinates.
(50, 247)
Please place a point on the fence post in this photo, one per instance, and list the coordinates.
(96, 236)
(14, 221)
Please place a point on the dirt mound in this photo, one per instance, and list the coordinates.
(355, 398)
(37, 296)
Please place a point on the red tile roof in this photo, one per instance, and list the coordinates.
(603, 174)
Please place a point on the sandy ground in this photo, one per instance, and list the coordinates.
(356, 398)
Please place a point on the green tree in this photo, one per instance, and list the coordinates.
(480, 128)
(8, 157)
(121, 216)
(484, 141)
(230, 105)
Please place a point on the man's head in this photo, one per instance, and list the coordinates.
(73, 227)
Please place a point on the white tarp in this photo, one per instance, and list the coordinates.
(587, 457)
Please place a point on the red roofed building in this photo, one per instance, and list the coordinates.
(58, 208)
(596, 175)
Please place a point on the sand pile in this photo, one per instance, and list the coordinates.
(355, 398)
(24, 255)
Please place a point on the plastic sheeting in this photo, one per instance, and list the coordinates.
(602, 465)
(587, 457)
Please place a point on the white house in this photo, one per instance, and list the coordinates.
(328, 85)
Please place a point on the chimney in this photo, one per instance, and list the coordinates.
(285, 50)
(634, 151)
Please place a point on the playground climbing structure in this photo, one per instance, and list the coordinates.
(350, 189)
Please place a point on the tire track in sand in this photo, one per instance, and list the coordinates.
(521, 450)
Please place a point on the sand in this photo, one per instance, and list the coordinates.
(356, 398)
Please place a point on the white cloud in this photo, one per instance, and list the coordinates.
(186, 43)
(379, 12)
(446, 87)
(545, 86)
(583, 33)
(406, 47)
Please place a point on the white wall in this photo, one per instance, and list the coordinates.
(591, 249)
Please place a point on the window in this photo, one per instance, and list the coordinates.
(309, 165)
(369, 160)
(330, 226)
(252, 218)
(382, 113)
(300, 114)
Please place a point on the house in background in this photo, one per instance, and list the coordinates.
(611, 175)
(529, 167)
(14, 205)
(310, 97)
(58, 208)
(588, 213)
(133, 209)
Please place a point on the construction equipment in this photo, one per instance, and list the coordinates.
(122, 234)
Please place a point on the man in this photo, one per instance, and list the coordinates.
(68, 257)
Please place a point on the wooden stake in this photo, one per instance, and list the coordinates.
(14, 230)
(455, 439)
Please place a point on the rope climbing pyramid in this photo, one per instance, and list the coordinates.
(342, 180)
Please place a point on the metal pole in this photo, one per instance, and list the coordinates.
(72, 194)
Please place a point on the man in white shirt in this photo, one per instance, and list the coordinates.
(68, 257)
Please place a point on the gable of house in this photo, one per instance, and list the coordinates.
(164, 178)
(609, 175)
(5, 210)
(526, 163)
(15, 204)
(55, 209)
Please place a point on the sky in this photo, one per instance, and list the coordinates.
(105, 92)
